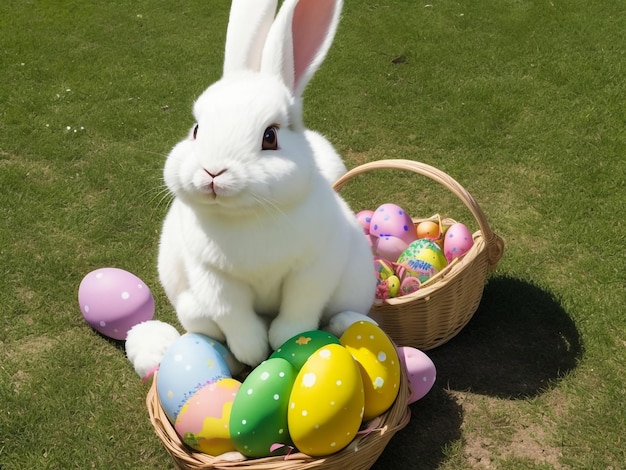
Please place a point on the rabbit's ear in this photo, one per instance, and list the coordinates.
(299, 40)
(248, 25)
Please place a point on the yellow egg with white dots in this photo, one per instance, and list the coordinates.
(379, 365)
(326, 402)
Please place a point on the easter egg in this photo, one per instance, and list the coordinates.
(421, 270)
(326, 403)
(393, 284)
(298, 349)
(365, 217)
(379, 365)
(203, 421)
(428, 229)
(258, 419)
(423, 258)
(389, 247)
(420, 371)
(191, 362)
(457, 242)
(391, 220)
(113, 301)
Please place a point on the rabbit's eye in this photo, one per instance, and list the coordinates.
(195, 131)
(270, 139)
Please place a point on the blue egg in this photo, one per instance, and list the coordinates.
(190, 363)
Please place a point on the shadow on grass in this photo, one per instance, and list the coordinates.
(119, 344)
(435, 423)
(518, 344)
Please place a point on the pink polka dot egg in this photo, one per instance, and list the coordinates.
(457, 242)
(113, 300)
(390, 220)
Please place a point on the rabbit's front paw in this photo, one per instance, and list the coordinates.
(341, 321)
(195, 319)
(281, 331)
(249, 344)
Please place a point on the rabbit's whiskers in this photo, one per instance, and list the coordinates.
(271, 208)
(164, 197)
(157, 191)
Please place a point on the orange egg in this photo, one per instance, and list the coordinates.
(428, 229)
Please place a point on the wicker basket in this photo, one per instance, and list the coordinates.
(435, 313)
(360, 454)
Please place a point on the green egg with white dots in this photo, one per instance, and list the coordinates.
(299, 348)
(258, 418)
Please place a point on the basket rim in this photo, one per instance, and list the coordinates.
(377, 433)
(428, 171)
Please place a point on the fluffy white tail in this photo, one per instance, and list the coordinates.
(146, 343)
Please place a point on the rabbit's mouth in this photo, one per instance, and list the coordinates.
(209, 191)
(214, 185)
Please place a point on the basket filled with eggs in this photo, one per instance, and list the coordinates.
(319, 401)
(431, 271)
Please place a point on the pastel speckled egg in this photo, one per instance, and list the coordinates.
(259, 416)
(391, 220)
(457, 242)
(326, 403)
(113, 301)
(298, 349)
(203, 421)
(379, 365)
(190, 363)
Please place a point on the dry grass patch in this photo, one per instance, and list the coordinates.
(496, 431)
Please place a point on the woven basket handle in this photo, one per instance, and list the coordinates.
(495, 244)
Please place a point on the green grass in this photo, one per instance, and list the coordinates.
(522, 102)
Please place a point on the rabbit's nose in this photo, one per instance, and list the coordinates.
(215, 175)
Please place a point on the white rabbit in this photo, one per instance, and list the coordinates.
(257, 246)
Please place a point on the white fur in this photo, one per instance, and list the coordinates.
(248, 25)
(256, 246)
(147, 342)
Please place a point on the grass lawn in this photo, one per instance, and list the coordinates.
(524, 103)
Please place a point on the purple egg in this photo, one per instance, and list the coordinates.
(113, 301)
